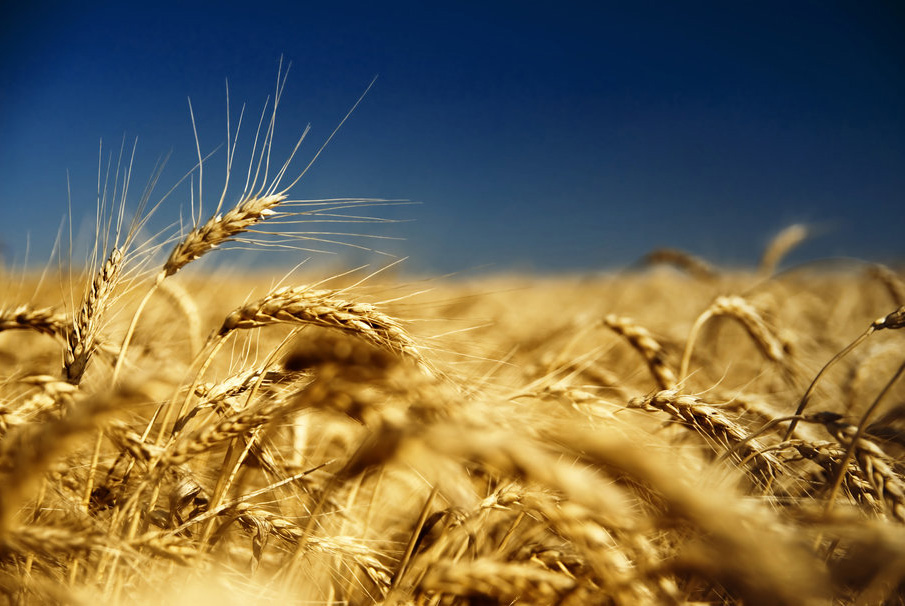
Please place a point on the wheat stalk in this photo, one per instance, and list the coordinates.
(181, 298)
(737, 307)
(890, 321)
(694, 266)
(779, 247)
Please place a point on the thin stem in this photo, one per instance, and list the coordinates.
(120, 358)
(689, 344)
(810, 390)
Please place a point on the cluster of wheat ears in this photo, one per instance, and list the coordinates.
(645, 437)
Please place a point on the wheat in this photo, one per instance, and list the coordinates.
(219, 229)
(779, 247)
(505, 463)
(645, 344)
(891, 280)
(737, 307)
(26, 452)
(44, 320)
(182, 299)
(81, 339)
(713, 424)
(503, 582)
(302, 305)
(891, 321)
(877, 466)
(695, 266)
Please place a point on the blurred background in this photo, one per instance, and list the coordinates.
(566, 137)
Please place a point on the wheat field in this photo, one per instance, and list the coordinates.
(671, 434)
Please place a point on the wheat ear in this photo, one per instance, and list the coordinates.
(853, 445)
(737, 307)
(27, 451)
(713, 424)
(645, 344)
(44, 320)
(779, 247)
(82, 335)
(694, 266)
(201, 240)
(219, 229)
(303, 305)
(877, 466)
(306, 306)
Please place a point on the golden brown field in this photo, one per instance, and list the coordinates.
(488, 442)
(659, 436)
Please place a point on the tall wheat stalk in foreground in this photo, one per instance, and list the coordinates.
(258, 203)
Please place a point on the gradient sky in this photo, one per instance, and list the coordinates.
(569, 136)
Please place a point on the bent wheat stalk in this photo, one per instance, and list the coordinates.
(694, 266)
(738, 308)
(779, 247)
(893, 283)
(182, 300)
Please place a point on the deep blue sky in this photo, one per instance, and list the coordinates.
(553, 137)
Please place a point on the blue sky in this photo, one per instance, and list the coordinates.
(558, 137)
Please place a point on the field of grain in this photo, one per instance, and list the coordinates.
(673, 434)
(618, 439)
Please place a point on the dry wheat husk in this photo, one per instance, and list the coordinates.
(715, 427)
(45, 320)
(645, 344)
(81, 339)
(325, 308)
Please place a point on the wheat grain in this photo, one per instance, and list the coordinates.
(714, 426)
(220, 229)
(44, 320)
(81, 339)
(302, 305)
